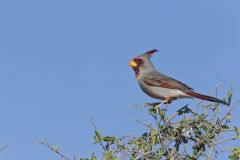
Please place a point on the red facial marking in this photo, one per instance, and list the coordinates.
(137, 71)
(139, 61)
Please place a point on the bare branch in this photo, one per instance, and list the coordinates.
(45, 143)
(5, 146)
(226, 140)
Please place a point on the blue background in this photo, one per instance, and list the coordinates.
(64, 62)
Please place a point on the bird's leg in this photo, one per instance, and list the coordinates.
(161, 103)
(168, 100)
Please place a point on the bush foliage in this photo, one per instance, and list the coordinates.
(191, 133)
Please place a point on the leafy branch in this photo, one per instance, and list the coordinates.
(186, 134)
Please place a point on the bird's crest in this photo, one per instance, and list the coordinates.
(148, 54)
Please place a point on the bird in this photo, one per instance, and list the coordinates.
(160, 86)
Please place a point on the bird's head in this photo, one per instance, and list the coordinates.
(142, 63)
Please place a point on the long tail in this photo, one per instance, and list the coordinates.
(207, 98)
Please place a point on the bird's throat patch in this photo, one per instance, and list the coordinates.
(137, 72)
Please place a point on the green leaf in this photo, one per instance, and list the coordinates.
(185, 119)
(160, 154)
(93, 157)
(228, 117)
(225, 126)
(184, 110)
(229, 96)
(154, 133)
(97, 137)
(109, 155)
(109, 139)
(56, 148)
(195, 153)
(237, 132)
(235, 154)
(211, 134)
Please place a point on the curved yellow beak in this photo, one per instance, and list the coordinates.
(132, 64)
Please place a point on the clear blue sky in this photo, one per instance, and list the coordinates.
(62, 62)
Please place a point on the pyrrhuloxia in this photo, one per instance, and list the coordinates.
(160, 86)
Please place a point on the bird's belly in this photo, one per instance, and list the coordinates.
(162, 93)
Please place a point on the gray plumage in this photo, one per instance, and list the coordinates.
(160, 86)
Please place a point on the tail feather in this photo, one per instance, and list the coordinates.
(207, 98)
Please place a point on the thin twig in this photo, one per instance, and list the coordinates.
(77, 155)
(223, 141)
(142, 123)
(209, 157)
(145, 154)
(95, 130)
(160, 104)
(229, 111)
(229, 130)
(172, 116)
(5, 146)
(45, 143)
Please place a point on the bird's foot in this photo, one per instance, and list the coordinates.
(161, 103)
(158, 104)
(153, 104)
(168, 100)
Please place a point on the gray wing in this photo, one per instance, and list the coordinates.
(160, 80)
